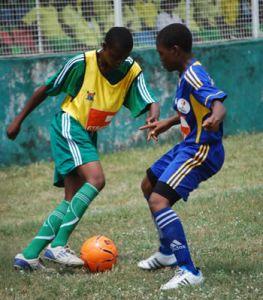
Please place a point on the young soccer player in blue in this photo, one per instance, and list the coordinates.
(200, 112)
(96, 84)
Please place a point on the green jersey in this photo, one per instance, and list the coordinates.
(70, 79)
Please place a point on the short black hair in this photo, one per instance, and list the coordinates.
(119, 37)
(175, 34)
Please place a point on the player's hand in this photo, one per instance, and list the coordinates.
(211, 124)
(151, 119)
(13, 130)
(155, 129)
(154, 113)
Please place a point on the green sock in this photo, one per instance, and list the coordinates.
(47, 232)
(76, 209)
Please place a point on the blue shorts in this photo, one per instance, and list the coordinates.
(183, 167)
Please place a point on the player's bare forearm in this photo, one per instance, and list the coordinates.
(154, 113)
(38, 96)
(174, 120)
(158, 127)
(218, 113)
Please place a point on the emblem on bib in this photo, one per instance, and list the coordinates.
(90, 96)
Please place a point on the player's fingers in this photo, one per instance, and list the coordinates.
(149, 120)
(11, 136)
(149, 136)
(152, 135)
(147, 126)
(206, 124)
(155, 138)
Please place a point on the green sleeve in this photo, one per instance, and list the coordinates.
(69, 79)
(139, 97)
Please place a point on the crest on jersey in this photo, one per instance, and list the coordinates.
(183, 106)
(90, 96)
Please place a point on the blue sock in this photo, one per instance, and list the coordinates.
(173, 237)
(163, 248)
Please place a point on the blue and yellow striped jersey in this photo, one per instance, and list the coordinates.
(195, 94)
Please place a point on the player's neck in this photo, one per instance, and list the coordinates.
(185, 62)
(102, 64)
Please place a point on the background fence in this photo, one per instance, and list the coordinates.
(41, 26)
(236, 68)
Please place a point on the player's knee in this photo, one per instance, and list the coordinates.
(98, 181)
(146, 187)
(157, 202)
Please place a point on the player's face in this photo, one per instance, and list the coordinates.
(113, 57)
(168, 57)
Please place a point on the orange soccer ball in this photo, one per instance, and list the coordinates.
(99, 253)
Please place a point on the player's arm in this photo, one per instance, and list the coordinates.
(140, 99)
(154, 113)
(217, 116)
(68, 80)
(38, 97)
(206, 93)
(158, 127)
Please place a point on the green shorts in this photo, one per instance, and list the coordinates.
(71, 146)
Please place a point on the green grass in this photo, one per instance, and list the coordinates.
(222, 219)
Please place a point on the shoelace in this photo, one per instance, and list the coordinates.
(40, 264)
(41, 267)
(68, 250)
(179, 272)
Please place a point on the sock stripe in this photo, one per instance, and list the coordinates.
(92, 186)
(170, 211)
(170, 221)
(82, 194)
(70, 223)
(50, 225)
(57, 214)
(166, 219)
(75, 220)
(84, 198)
(49, 238)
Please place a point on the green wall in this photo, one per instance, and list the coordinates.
(236, 67)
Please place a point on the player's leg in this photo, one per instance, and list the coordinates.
(170, 228)
(92, 176)
(74, 149)
(167, 221)
(191, 166)
(164, 256)
(29, 258)
(73, 182)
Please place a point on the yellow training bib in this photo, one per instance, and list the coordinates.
(98, 100)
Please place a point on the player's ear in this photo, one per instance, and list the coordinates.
(176, 50)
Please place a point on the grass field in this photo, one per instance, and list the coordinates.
(222, 219)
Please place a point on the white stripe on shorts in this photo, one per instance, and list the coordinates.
(73, 147)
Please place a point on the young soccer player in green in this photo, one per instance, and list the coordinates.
(97, 84)
(200, 112)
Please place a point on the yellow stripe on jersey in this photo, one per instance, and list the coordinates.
(200, 111)
(199, 158)
(98, 100)
(197, 63)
